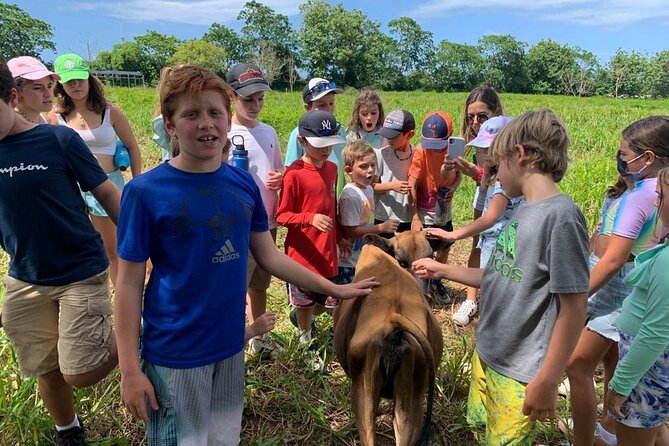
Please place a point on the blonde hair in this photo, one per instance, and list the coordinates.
(356, 150)
(543, 137)
(365, 97)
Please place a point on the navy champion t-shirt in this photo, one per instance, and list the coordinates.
(43, 222)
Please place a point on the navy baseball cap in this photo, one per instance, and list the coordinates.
(437, 127)
(320, 128)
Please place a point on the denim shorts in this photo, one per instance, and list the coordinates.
(647, 406)
(487, 246)
(92, 204)
(604, 306)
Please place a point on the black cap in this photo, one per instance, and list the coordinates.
(246, 79)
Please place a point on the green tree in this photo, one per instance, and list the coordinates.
(626, 74)
(202, 53)
(268, 36)
(505, 67)
(156, 49)
(457, 67)
(21, 34)
(342, 45)
(658, 75)
(228, 40)
(414, 50)
(125, 56)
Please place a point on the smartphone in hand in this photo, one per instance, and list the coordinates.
(456, 147)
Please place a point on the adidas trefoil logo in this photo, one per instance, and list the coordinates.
(225, 253)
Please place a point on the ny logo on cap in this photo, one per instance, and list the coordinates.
(326, 125)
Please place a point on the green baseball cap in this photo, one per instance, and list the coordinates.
(70, 66)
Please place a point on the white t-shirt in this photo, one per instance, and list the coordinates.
(393, 166)
(356, 208)
(262, 143)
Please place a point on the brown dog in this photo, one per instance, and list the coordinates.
(389, 342)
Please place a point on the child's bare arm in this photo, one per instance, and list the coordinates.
(541, 392)
(264, 323)
(398, 186)
(486, 221)
(356, 232)
(136, 388)
(431, 269)
(416, 224)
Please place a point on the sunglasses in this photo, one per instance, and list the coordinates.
(480, 117)
(322, 86)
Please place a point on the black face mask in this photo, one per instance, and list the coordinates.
(622, 169)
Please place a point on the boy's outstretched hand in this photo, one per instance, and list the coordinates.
(136, 391)
(540, 400)
(428, 269)
(355, 289)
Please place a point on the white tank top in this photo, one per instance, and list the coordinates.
(101, 140)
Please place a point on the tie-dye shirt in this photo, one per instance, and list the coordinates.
(634, 215)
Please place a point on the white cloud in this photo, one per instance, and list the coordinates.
(603, 13)
(197, 12)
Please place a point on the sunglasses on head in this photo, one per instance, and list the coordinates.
(322, 86)
(480, 117)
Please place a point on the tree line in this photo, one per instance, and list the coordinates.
(351, 49)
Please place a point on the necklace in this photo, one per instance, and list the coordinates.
(403, 159)
(22, 113)
(82, 122)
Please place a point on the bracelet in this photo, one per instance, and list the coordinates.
(479, 176)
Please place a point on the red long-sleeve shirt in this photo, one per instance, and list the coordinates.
(308, 190)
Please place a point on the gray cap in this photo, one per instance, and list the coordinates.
(246, 79)
(396, 123)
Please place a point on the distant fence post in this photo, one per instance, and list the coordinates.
(119, 78)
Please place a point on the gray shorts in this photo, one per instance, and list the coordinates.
(198, 406)
(605, 305)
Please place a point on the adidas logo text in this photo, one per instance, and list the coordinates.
(226, 253)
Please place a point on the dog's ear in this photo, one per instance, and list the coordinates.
(380, 242)
(440, 248)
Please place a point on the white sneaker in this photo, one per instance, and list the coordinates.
(463, 314)
(314, 361)
(264, 345)
(604, 437)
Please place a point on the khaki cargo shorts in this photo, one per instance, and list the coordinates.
(65, 327)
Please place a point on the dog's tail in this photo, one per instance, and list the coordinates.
(401, 324)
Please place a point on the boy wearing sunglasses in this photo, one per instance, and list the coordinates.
(319, 94)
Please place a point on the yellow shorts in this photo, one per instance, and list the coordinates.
(65, 327)
(496, 402)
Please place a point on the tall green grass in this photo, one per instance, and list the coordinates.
(284, 405)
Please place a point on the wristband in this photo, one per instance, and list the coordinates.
(479, 176)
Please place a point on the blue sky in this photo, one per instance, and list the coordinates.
(599, 26)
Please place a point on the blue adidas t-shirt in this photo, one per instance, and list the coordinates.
(195, 228)
(43, 222)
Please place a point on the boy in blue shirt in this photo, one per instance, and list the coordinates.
(196, 219)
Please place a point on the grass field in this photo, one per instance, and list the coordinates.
(283, 404)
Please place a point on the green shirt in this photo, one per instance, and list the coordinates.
(645, 317)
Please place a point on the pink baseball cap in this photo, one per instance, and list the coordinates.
(29, 68)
